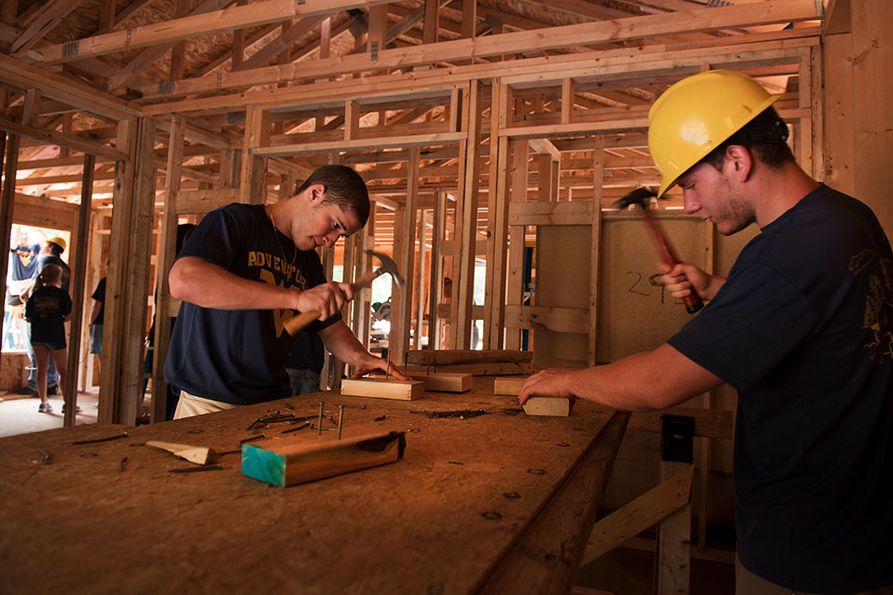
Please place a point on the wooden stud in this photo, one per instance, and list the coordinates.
(435, 289)
(567, 100)
(383, 388)
(164, 261)
(598, 176)
(420, 278)
(466, 223)
(287, 462)
(252, 187)
(78, 259)
(401, 302)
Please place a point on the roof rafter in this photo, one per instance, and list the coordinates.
(236, 17)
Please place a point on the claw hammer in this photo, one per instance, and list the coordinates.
(667, 255)
(296, 323)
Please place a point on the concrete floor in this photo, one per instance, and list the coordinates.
(19, 415)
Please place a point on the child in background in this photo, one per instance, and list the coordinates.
(47, 309)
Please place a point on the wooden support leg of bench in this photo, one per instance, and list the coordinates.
(647, 510)
(674, 533)
(674, 539)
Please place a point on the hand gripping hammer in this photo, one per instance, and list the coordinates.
(692, 301)
(296, 323)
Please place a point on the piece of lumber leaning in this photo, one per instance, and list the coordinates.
(441, 357)
(200, 455)
(447, 382)
(381, 388)
(296, 460)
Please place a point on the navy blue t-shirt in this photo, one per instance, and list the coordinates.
(238, 356)
(24, 262)
(99, 296)
(46, 310)
(45, 259)
(803, 329)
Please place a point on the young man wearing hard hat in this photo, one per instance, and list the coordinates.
(802, 328)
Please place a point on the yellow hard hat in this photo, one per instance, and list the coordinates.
(696, 115)
(59, 242)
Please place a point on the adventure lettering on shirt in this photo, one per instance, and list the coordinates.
(290, 275)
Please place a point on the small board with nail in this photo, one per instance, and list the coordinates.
(291, 461)
(446, 382)
(381, 388)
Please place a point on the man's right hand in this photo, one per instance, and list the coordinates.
(684, 276)
(327, 299)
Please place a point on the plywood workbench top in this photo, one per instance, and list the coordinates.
(109, 517)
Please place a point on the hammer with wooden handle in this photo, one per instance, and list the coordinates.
(692, 301)
(296, 323)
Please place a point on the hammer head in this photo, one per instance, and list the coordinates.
(387, 266)
(636, 197)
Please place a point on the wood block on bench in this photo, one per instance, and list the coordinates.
(381, 388)
(448, 382)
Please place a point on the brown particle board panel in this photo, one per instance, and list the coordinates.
(380, 388)
(440, 511)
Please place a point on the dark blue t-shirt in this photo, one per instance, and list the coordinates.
(99, 296)
(46, 310)
(803, 329)
(24, 262)
(238, 356)
(45, 259)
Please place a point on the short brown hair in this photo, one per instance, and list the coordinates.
(766, 136)
(50, 274)
(344, 187)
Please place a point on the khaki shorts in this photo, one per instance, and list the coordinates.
(190, 405)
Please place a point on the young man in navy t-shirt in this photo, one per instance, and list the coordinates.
(245, 270)
(802, 328)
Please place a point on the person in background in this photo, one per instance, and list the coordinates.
(305, 363)
(47, 309)
(184, 230)
(19, 278)
(51, 253)
(97, 317)
(802, 327)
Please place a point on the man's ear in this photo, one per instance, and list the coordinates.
(740, 161)
(316, 193)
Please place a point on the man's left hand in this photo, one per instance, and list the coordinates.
(376, 363)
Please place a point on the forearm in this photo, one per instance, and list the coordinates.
(343, 344)
(642, 382)
(211, 286)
